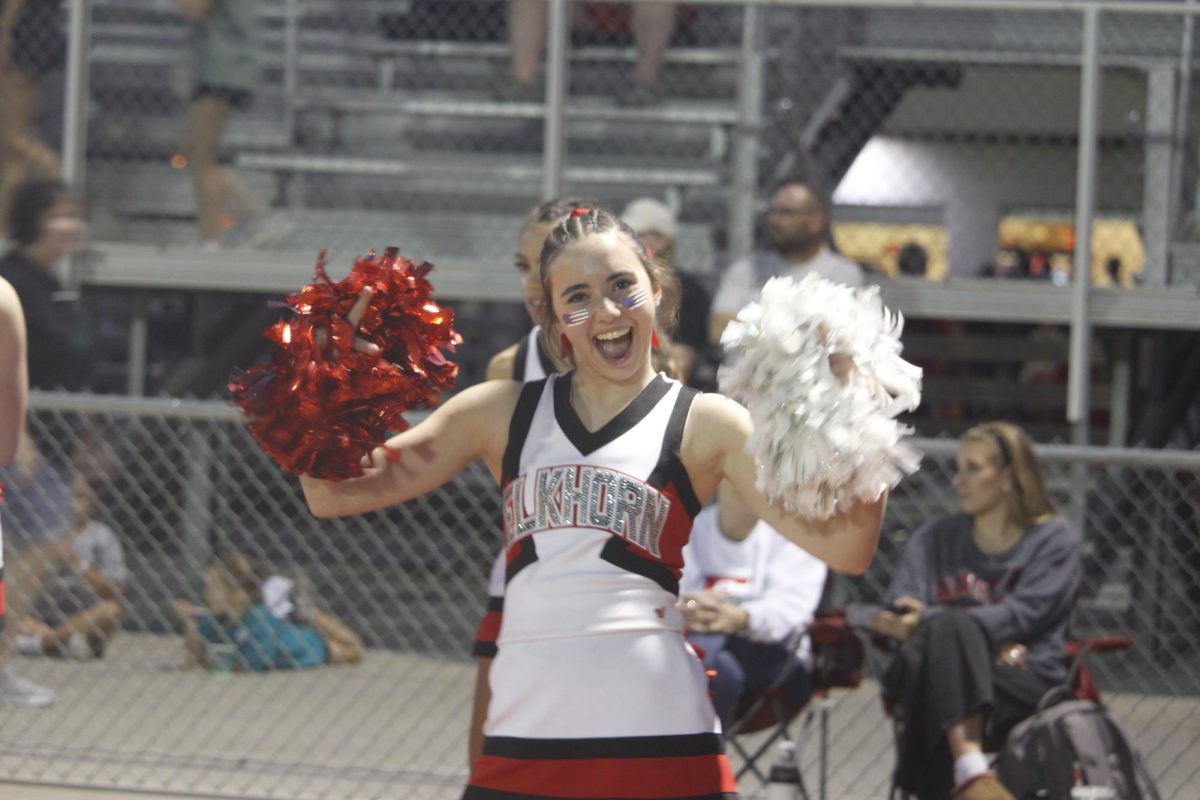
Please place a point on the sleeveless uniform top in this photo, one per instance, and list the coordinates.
(594, 522)
(532, 363)
(595, 691)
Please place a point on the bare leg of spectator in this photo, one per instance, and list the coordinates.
(527, 38)
(96, 624)
(193, 645)
(22, 154)
(653, 25)
(345, 646)
(206, 122)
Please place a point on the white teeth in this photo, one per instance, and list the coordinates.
(611, 335)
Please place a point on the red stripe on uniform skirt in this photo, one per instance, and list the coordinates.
(675, 776)
(3, 604)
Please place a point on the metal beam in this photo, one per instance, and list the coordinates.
(1079, 366)
(554, 143)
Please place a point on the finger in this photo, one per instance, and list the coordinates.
(360, 307)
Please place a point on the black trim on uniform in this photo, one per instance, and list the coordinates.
(479, 793)
(495, 603)
(519, 360)
(670, 469)
(685, 744)
(518, 429)
(621, 553)
(588, 442)
(526, 555)
(484, 650)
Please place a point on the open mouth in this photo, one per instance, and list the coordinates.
(614, 346)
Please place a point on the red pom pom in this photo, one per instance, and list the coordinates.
(321, 405)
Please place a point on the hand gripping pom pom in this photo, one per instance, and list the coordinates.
(821, 445)
(321, 405)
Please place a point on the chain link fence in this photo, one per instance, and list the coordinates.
(182, 485)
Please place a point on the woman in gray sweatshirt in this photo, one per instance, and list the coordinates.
(980, 605)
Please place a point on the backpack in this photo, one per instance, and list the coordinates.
(1041, 753)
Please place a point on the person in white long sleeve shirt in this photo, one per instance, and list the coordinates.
(746, 604)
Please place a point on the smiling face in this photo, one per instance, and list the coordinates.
(604, 304)
(529, 248)
(981, 481)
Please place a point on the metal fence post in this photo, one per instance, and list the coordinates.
(196, 523)
(557, 75)
(749, 125)
(291, 66)
(1085, 205)
(75, 114)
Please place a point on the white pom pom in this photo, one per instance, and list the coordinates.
(821, 444)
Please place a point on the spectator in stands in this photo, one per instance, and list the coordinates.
(267, 621)
(799, 234)
(225, 72)
(652, 25)
(46, 225)
(657, 227)
(31, 46)
(79, 602)
(14, 690)
(912, 260)
(747, 596)
(981, 602)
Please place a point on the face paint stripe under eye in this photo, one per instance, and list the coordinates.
(635, 298)
(576, 317)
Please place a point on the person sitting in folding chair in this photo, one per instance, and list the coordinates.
(747, 596)
(980, 604)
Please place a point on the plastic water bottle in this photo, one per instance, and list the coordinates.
(783, 783)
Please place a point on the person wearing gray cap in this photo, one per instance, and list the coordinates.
(658, 228)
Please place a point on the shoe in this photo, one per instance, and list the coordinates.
(78, 647)
(28, 644)
(985, 786)
(639, 95)
(23, 693)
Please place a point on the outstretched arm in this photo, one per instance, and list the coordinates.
(471, 425)
(714, 448)
(14, 377)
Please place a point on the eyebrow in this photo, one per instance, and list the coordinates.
(619, 275)
(573, 287)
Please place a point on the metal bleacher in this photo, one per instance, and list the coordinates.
(357, 122)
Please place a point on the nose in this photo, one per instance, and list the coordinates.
(608, 308)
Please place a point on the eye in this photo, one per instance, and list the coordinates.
(621, 284)
(521, 266)
(576, 297)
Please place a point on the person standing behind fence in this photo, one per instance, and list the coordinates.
(31, 46)
(982, 600)
(14, 387)
(799, 235)
(225, 72)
